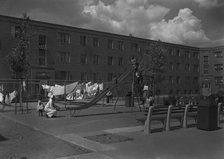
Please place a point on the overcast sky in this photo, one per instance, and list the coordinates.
(189, 22)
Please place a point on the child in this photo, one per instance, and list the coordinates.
(40, 108)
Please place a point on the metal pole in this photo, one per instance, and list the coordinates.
(65, 93)
(132, 89)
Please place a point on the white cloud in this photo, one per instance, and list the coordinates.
(144, 20)
(207, 3)
(126, 16)
(183, 29)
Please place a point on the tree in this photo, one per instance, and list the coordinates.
(153, 63)
(156, 58)
(18, 57)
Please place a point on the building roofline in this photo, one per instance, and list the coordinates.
(36, 22)
(212, 48)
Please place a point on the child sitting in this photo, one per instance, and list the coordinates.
(40, 108)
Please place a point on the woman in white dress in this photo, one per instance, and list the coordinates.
(49, 107)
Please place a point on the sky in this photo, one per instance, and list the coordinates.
(197, 23)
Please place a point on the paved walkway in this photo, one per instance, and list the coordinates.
(190, 143)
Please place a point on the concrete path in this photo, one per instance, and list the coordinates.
(190, 143)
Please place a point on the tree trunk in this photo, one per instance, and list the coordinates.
(21, 95)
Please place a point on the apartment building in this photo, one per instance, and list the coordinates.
(60, 52)
(212, 73)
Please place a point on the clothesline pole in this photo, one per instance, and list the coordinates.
(65, 93)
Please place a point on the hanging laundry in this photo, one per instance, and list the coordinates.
(1, 97)
(60, 90)
(13, 95)
(101, 86)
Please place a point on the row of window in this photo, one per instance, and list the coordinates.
(65, 58)
(64, 38)
(110, 44)
(218, 54)
(96, 60)
(177, 80)
(187, 67)
(217, 68)
(181, 53)
(218, 79)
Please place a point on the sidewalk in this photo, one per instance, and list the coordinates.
(117, 134)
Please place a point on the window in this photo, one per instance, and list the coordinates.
(95, 59)
(218, 67)
(196, 55)
(171, 53)
(95, 76)
(96, 42)
(110, 44)
(42, 57)
(218, 79)
(187, 67)
(110, 76)
(206, 85)
(171, 66)
(110, 60)
(218, 54)
(63, 75)
(178, 66)
(171, 79)
(120, 61)
(83, 40)
(187, 54)
(120, 45)
(134, 47)
(178, 52)
(64, 57)
(205, 59)
(178, 80)
(42, 40)
(64, 38)
(82, 74)
(196, 67)
(84, 59)
(195, 79)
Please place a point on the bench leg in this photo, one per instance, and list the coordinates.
(185, 115)
(168, 119)
(147, 126)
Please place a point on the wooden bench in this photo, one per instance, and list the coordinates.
(166, 113)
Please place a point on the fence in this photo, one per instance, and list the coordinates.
(32, 89)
